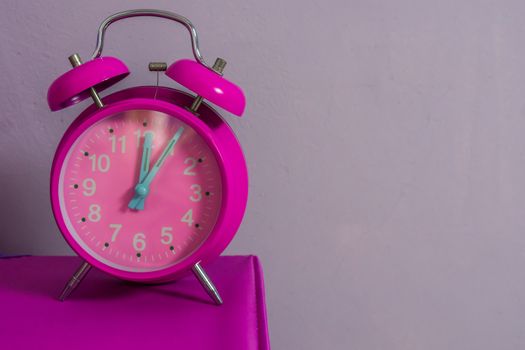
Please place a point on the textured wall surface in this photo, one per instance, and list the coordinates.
(385, 145)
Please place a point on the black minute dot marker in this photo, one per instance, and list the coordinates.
(207, 193)
(139, 255)
(200, 160)
(75, 186)
(111, 131)
(197, 225)
(83, 219)
(106, 244)
(86, 154)
(145, 124)
(172, 247)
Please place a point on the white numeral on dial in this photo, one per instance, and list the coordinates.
(94, 213)
(114, 141)
(101, 163)
(167, 236)
(188, 217)
(197, 193)
(90, 187)
(139, 242)
(116, 228)
(192, 164)
(138, 133)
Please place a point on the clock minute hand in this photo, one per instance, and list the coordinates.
(153, 172)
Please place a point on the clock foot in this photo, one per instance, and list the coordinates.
(75, 280)
(206, 283)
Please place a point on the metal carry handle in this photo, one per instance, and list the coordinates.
(150, 13)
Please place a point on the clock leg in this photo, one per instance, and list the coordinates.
(73, 283)
(206, 283)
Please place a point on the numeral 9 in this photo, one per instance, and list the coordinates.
(90, 187)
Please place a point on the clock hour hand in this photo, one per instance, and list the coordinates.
(144, 167)
(153, 172)
(142, 189)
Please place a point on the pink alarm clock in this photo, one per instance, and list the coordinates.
(148, 183)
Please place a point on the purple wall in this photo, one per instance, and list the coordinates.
(385, 143)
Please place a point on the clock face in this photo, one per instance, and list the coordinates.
(133, 214)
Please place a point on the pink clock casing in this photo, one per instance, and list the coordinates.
(209, 85)
(211, 128)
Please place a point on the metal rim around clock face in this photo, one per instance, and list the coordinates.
(93, 178)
